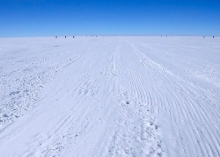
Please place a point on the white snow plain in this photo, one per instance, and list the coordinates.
(110, 96)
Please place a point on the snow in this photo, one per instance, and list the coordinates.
(110, 96)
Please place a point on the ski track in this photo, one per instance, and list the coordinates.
(110, 96)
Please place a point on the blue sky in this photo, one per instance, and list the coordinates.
(109, 17)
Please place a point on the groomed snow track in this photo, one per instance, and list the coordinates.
(110, 97)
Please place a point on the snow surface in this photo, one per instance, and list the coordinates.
(110, 96)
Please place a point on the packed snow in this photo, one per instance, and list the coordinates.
(110, 96)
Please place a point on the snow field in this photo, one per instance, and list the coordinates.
(110, 96)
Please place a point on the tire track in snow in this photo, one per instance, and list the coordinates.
(141, 130)
(188, 110)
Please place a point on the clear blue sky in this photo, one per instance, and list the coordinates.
(109, 17)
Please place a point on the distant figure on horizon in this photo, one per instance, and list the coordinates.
(65, 36)
(55, 36)
(213, 36)
(73, 37)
